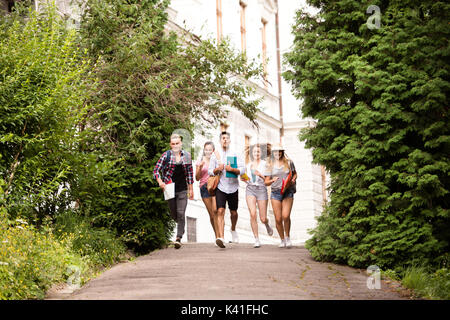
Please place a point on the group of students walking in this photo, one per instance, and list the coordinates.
(263, 166)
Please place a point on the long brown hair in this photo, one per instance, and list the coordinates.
(284, 158)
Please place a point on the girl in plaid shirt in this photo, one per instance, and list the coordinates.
(176, 167)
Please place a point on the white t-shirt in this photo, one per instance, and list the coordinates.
(227, 185)
(254, 179)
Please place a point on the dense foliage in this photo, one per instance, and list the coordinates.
(43, 80)
(44, 86)
(151, 83)
(380, 97)
(84, 115)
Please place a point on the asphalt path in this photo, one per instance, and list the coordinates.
(202, 271)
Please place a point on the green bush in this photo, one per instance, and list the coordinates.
(44, 82)
(31, 260)
(99, 246)
(380, 98)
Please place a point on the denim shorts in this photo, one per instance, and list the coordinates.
(280, 197)
(204, 191)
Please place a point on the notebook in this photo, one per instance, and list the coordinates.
(169, 191)
(233, 163)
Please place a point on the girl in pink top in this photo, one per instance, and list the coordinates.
(201, 174)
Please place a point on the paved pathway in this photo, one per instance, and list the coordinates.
(205, 272)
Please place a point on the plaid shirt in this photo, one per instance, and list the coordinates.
(168, 171)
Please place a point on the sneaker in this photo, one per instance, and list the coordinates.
(282, 244)
(219, 242)
(257, 244)
(288, 243)
(178, 244)
(234, 236)
(269, 229)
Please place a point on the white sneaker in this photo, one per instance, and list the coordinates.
(257, 244)
(282, 244)
(234, 236)
(269, 229)
(288, 242)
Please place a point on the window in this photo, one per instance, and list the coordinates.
(219, 20)
(243, 28)
(191, 229)
(264, 50)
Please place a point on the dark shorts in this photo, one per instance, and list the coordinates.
(222, 198)
(204, 191)
(276, 195)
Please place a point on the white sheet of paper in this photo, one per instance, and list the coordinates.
(169, 191)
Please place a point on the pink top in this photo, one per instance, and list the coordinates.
(204, 173)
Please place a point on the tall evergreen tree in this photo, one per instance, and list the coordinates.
(379, 94)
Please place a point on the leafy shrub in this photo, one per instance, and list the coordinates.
(43, 88)
(99, 246)
(31, 260)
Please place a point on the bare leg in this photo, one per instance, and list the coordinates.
(286, 214)
(251, 204)
(210, 204)
(262, 206)
(276, 205)
(220, 222)
(234, 218)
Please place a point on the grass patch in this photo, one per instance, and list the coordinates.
(423, 281)
(428, 285)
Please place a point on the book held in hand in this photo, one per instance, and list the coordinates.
(169, 191)
(232, 161)
(286, 183)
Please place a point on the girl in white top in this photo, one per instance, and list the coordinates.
(256, 191)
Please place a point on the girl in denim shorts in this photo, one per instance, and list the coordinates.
(201, 174)
(277, 169)
(256, 191)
